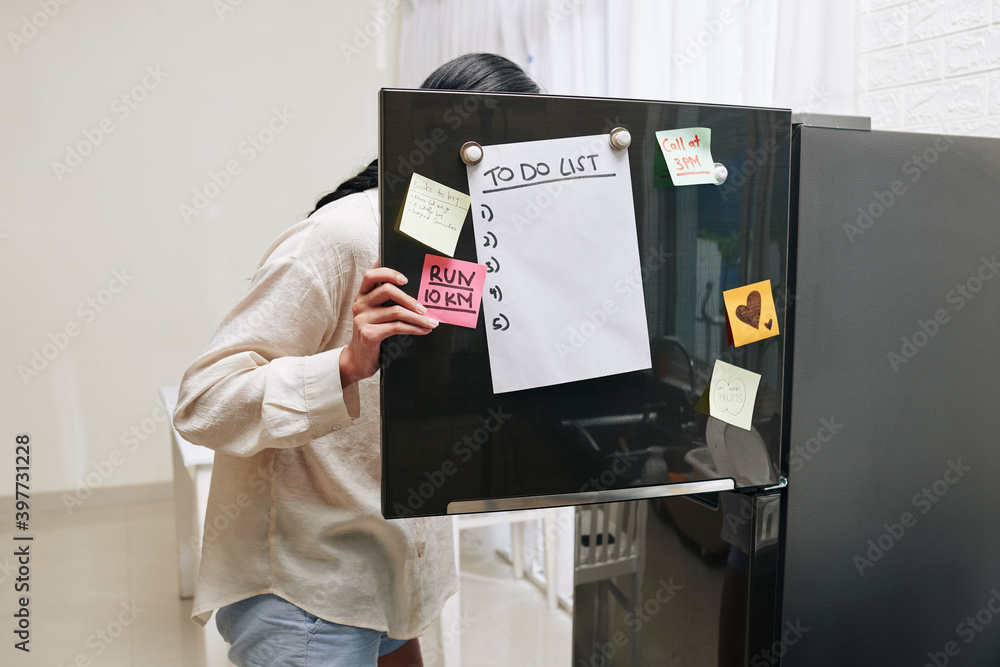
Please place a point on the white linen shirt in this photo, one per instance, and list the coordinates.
(295, 502)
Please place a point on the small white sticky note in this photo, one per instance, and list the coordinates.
(688, 154)
(434, 214)
(732, 393)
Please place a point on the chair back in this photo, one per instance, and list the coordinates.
(609, 540)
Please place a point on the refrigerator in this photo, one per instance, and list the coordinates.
(851, 523)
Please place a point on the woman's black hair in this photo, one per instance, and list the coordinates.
(482, 73)
(476, 72)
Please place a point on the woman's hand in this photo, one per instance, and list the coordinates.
(375, 320)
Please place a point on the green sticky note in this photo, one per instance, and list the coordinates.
(687, 153)
(702, 405)
(661, 176)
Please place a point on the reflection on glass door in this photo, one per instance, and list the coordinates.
(672, 580)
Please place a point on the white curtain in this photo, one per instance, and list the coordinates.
(779, 53)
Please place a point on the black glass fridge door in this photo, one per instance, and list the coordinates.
(450, 444)
(679, 582)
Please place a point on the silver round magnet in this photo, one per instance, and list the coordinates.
(471, 152)
(721, 173)
(620, 138)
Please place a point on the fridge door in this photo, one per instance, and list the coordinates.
(701, 591)
(452, 445)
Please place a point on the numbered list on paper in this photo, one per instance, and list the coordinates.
(555, 227)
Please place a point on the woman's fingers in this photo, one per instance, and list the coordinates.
(381, 301)
(375, 276)
(397, 313)
(383, 295)
(381, 309)
(366, 314)
(380, 286)
(363, 351)
(375, 333)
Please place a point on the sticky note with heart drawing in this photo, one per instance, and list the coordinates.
(732, 392)
(750, 313)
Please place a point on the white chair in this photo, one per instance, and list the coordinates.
(610, 544)
(192, 478)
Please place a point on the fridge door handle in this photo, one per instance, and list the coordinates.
(590, 497)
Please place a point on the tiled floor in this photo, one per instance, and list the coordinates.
(509, 623)
(103, 593)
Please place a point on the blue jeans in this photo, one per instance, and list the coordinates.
(267, 631)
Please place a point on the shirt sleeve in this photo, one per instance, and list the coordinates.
(264, 380)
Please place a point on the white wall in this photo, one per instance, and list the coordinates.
(930, 65)
(222, 69)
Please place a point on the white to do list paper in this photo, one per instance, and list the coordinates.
(555, 227)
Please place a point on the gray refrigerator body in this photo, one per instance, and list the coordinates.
(892, 525)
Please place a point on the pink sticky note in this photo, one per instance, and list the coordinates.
(452, 290)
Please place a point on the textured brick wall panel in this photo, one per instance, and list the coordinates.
(930, 65)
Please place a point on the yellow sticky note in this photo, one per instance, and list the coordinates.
(688, 153)
(732, 393)
(434, 214)
(750, 313)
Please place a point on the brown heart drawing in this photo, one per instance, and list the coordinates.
(768, 324)
(750, 313)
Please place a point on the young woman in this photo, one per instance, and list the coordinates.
(296, 556)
